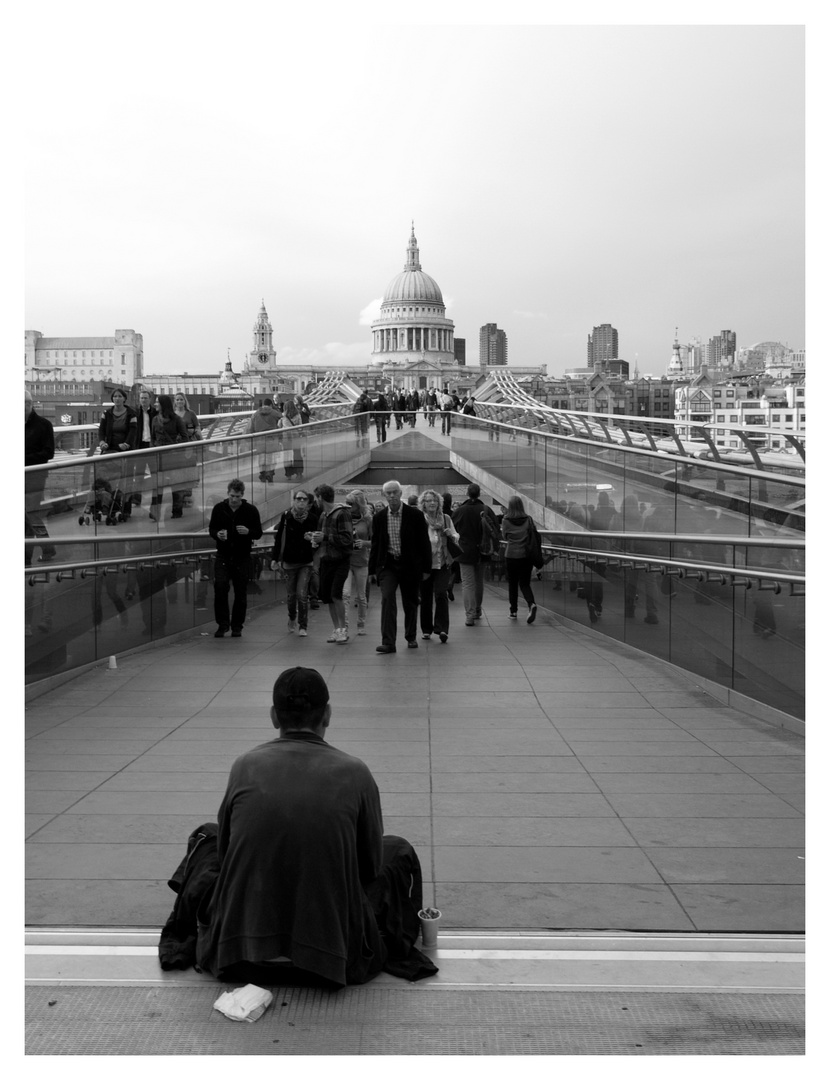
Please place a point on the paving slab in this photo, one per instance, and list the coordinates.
(561, 906)
(548, 779)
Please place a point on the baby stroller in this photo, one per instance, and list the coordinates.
(104, 503)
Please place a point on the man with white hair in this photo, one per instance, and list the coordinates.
(401, 557)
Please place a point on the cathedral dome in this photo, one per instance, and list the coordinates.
(413, 285)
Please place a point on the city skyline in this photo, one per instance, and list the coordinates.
(177, 208)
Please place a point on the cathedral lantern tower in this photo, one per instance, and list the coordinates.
(263, 356)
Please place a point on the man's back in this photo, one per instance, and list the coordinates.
(300, 838)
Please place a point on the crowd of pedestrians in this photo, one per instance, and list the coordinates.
(413, 551)
(401, 407)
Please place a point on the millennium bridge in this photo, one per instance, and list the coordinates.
(608, 805)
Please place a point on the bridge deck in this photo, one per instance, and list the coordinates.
(549, 778)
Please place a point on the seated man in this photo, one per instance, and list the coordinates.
(307, 883)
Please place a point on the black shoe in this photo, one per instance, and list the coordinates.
(443, 638)
(412, 644)
(221, 631)
(236, 633)
(532, 615)
(386, 649)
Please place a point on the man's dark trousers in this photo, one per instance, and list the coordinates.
(395, 575)
(229, 572)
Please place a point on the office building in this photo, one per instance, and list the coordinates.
(603, 344)
(492, 345)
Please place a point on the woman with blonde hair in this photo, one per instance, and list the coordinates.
(517, 529)
(435, 608)
(359, 562)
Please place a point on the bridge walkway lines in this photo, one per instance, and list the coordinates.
(569, 797)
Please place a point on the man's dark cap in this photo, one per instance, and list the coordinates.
(300, 688)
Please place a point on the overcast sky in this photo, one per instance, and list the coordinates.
(182, 169)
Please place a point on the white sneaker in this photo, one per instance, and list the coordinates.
(361, 630)
(344, 634)
(302, 632)
(333, 637)
(292, 625)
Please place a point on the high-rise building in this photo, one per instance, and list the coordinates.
(603, 344)
(720, 352)
(460, 350)
(492, 345)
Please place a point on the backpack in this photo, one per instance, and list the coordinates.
(489, 543)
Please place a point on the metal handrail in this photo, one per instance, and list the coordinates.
(669, 457)
(682, 538)
(684, 568)
(123, 563)
(76, 460)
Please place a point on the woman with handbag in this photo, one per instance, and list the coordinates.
(181, 407)
(168, 428)
(117, 433)
(294, 556)
(518, 529)
(294, 464)
(362, 517)
(444, 540)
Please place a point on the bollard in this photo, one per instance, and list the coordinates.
(113, 666)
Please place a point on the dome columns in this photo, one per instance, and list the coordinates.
(413, 339)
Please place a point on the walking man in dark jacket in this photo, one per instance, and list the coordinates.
(40, 448)
(401, 557)
(234, 525)
(469, 521)
(381, 409)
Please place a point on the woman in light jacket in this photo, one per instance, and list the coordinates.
(290, 419)
(516, 529)
(434, 588)
(357, 582)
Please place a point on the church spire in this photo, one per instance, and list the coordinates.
(413, 261)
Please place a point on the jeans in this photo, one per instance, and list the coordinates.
(391, 578)
(435, 588)
(226, 573)
(296, 586)
(472, 589)
(518, 577)
(358, 577)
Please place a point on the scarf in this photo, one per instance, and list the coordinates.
(437, 520)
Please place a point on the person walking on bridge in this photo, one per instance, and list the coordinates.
(381, 414)
(234, 525)
(400, 558)
(477, 544)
